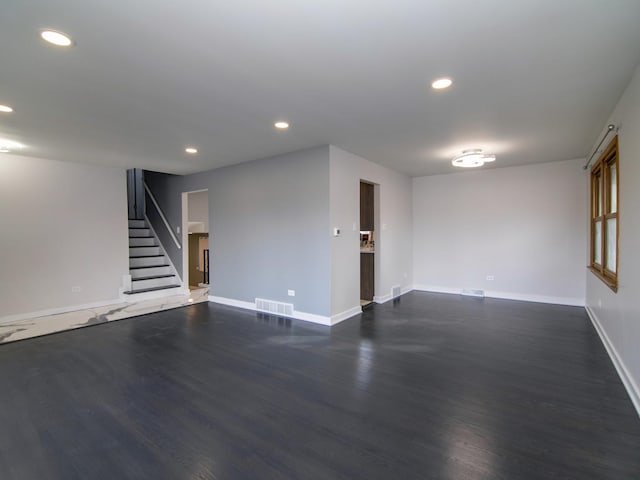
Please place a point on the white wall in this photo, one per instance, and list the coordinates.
(523, 225)
(617, 315)
(393, 235)
(63, 225)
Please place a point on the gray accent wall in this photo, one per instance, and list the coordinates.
(167, 191)
(268, 226)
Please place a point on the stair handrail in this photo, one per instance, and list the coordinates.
(164, 219)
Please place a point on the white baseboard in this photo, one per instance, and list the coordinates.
(313, 318)
(389, 296)
(232, 302)
(57, 311)
(382, 298)
(569, 301)
(437, 289)
(627, 380)
(341, 317)
(574, 302)
(307, 317)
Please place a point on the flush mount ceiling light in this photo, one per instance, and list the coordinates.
(7, 145)
(281, 125)
(191, 150)
(56, 38)
(6, 109)
(441, 83)
(472, 158)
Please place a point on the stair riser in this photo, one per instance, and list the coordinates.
(151, 271)
(147, 262)
(142, 242)
(140, 232)
(137, 224)
(154, 282)
(143, 251)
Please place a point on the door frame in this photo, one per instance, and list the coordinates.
(185, 236)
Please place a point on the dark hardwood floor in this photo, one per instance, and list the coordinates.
(429, 387)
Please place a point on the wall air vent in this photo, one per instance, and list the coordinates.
(396, 291)
(274, 308)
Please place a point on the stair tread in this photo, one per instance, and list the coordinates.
(152, 277)
(145, 256)
(149, 266)
(144, 246)
(150, 236)
(152, 289)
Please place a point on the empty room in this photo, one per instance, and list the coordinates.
(320, 240)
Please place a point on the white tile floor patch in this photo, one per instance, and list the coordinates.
(34, 327)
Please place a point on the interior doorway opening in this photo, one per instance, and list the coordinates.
(196, 266)
(369, 241)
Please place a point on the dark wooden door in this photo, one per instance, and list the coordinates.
(366, 207)
(366, 276)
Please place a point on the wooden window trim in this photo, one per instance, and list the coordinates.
(600, 184)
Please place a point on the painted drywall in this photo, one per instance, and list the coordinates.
(270, 221)
(522, 225)
(64, 225)
(199, 211)
(166, 189)
(618, 314)
(393, 236)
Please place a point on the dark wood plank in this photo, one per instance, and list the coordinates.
(429, 387)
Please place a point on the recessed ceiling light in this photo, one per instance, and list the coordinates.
(56, 38)
(6, 109)
(441, 83)
(472, 158)
(281, 125)
(191, 150)
(7, 145)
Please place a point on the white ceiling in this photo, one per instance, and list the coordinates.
(535, 80)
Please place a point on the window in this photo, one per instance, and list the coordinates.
(604, 216)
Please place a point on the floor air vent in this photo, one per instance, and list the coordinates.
(275, 308)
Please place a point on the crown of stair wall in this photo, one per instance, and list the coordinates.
(149, 267)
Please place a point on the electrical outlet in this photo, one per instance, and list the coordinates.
(76, 289)
(178, 230)
(291, 293)
(490, 278)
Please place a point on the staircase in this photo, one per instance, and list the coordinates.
(149, 267)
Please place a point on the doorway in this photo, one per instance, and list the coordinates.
(368, 241)
(195, 239)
